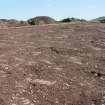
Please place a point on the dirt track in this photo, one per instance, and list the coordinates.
(53, 65)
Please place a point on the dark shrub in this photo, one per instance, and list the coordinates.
(102, 21)
(73, 20)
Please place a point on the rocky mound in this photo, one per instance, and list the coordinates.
(40, 20)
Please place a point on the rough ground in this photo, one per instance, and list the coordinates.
(53, 65)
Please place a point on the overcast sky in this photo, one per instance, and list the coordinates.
(58, 9)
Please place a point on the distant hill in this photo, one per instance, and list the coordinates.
(40, 20)
(100, 19)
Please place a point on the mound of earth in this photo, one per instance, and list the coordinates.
(40, 20)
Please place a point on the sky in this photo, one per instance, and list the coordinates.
(58, 9)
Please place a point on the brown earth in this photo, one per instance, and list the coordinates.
(53, 65)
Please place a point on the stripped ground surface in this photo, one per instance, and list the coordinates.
(53, 65)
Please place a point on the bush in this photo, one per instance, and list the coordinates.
(73, 20)
(102, 21)
(66, 20)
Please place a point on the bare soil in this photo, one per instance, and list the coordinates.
(53, 65)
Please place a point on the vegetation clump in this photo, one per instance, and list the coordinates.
(72, 20)
(100, 19)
